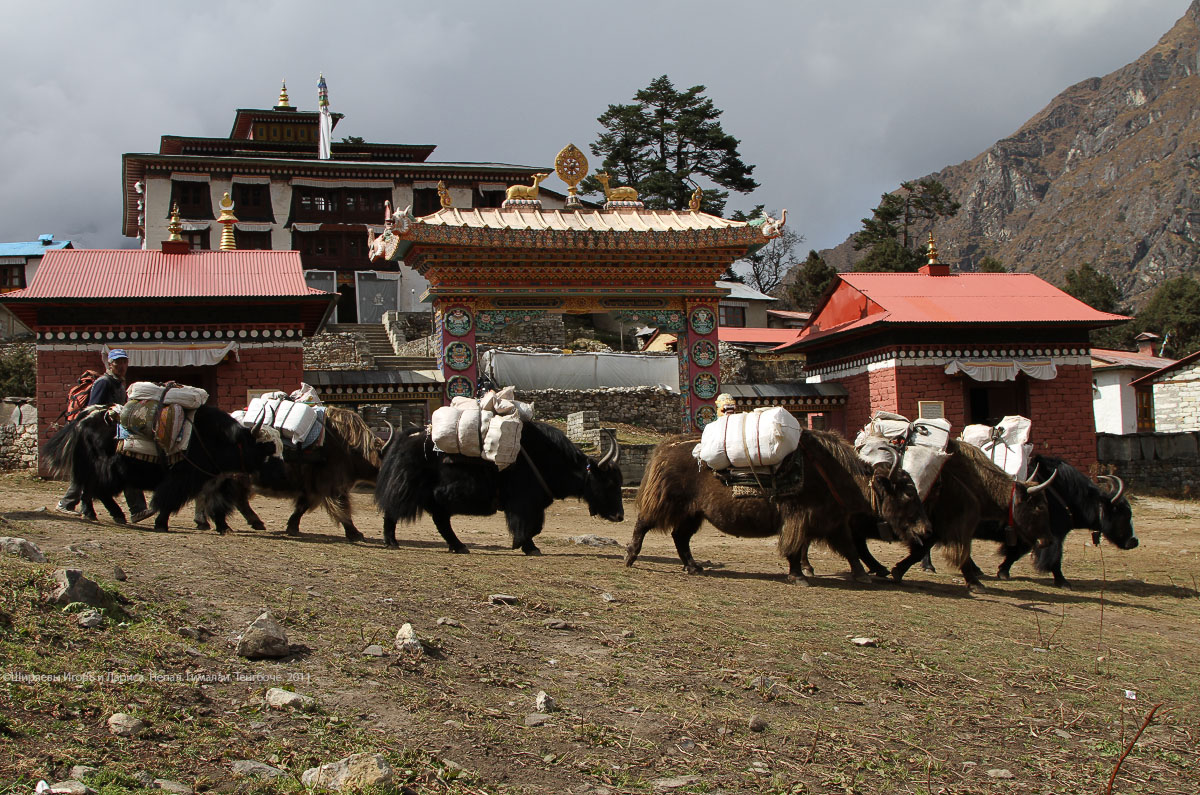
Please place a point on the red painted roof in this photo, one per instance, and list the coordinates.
(858, 300)
(755, 336)
(140, 274)
(1104, 358)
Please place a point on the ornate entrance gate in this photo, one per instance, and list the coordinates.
(491, 267)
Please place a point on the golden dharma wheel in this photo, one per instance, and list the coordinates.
(571, 165)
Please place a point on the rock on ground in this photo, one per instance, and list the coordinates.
(80, 772)
(23, 547)
(249, 768)
(503, 599)
(90, 619)
(69, 788)
(592, 540)
(354, 772)
(278, 698)
(406, 640)
(72, 586)
(124, 725)
(263, 638)
(374, 650)
(174, 787)
(545, 702)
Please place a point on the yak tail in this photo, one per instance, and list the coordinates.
(59, 452)
(956, 552)
(338, 510)
(1048, 557)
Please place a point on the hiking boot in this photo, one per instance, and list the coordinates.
(66, 509)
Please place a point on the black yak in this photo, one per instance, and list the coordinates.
(1074, 501)
(322, 475)
(415, 478)
(837, 491)
(86, 448)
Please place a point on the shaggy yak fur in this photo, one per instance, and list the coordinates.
(970, 493)
(1074, 501)
(325, 475)
(416, 479)
(86, 450)
(839, 491)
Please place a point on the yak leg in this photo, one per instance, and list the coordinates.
(200, 518)
(252, 519)
(1012, 553)
(927, 563)
(971, 573)
(304, 504)
(389, 531)
(441, 520)
(682, 536)
(843, 544)
(916, 552)
(806, 568)
(342, 501)
(634, 548)
(876, 568)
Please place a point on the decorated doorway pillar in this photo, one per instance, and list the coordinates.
(455, 330)
(699, 365)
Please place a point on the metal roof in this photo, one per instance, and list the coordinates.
(743, 292)
(1104, 359)
(737, 335)
(141, 274)
(1150, 378)
(784, 390)
(370, 377)
(34, 248)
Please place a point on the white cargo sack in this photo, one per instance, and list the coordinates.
(1007, 444)
(190, 397)
(756, 439)
(502, 444)
(922, 451)
(470, 431)
(293, 420)
(445, 428)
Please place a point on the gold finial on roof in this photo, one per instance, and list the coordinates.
(174, 226)
(444, 194)
(933, 260)
(227, 219)
(283, 97)
(571, 166)
(694, 204)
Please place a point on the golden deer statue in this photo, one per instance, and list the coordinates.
(616, 194)
(525, 192)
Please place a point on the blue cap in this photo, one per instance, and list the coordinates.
(117, 353)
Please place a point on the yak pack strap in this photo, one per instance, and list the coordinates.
(537, 474)
(1010, 534)
(158, 410)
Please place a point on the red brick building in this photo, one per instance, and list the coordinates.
(230, 322)
(970, 347)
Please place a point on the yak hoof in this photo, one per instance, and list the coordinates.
(693, 568)
(204, 525)
(259, 526)
(354, 536)
(1002, 574)
(976, 587)
(861, 579)
(897, 575)
(881, 574)
(798, 579)
(630, 559)
(156, 529)
(222, 530)
(808, 571)
(1063, 583)
(463, 549)
(119, 519)
(391, 544)
(292, 531)
(531, 550)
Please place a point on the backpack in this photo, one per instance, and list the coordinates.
(77, 398)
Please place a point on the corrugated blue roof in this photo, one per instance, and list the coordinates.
(35, 248)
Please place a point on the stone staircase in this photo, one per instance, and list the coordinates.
(381, 347)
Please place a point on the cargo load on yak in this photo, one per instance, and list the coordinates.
(156, 421)
(755, 440)
(921, 444)
(1006, 444)
(488, 427)
(298, 418)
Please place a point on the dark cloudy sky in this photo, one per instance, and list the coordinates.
(834, 102)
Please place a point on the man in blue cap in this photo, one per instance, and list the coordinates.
(107, 390)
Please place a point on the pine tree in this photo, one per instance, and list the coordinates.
(664, 143)
(990, 265)
(892, 235)
(1174, 312)
(812, 280)
(1099, 291)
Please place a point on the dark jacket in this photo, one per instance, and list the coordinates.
(107, 390)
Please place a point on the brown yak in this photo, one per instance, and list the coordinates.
(837, 490)
(970, 490)
(320, 475)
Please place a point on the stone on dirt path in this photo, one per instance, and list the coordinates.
(174, 787)
(249, 768)
(90, 619)
(407, 640)
(503, 599)
(999, 772)
(69, 787)
(593, 540)
(23, 547)
(865, 641)
(354, 772)
(80, 772)
(72, 586)
(536, 719)
(374, 650)
(263, 638)
(545, 702)
(278, 698)
(674, 783)
(123, 725)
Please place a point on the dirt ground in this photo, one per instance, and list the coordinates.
(730, 681)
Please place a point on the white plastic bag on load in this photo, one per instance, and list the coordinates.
(502, 443)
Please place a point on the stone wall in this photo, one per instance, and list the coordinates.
(404, 327)
(1152, 463)
(644, 406)
(742, 366)
(547, 329)
(18, 446)
(337, 351)
(1177, 400)
(585, 429)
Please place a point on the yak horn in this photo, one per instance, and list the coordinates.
(391, 433)
(612, 451)
(1033, 474)
(1035, 489)
(895, 461)
(1120, 488)
(616, 449)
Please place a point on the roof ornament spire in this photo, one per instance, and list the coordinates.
(174, 227)
(444, 195)
(697, 197)
(227, 220)
(283, 97)
(933, 260)
(933, 267)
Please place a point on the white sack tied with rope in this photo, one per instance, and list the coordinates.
(1006, 444)
(488, 427)
(755, 439)
(920, 445)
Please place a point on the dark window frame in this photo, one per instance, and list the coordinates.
(729, 313)
(252, 202)
(193, 198)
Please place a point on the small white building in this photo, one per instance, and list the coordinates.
(1119, 406)
(18, 263)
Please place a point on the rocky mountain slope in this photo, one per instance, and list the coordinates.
(1107, 173)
